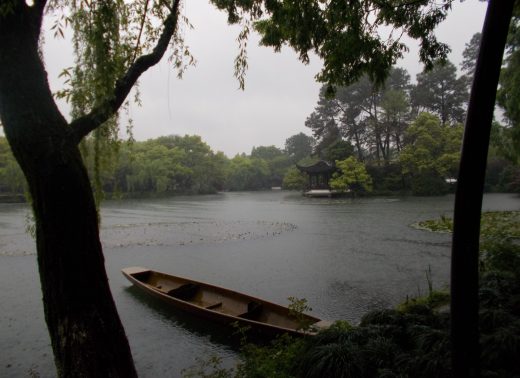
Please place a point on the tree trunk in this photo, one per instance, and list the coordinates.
(86, 334)
(470, 187)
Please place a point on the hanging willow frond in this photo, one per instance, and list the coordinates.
(114, 42)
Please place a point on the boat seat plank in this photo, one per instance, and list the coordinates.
(254, 309)
(214, 305)
(184, 292)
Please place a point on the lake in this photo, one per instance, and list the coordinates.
(345, 256)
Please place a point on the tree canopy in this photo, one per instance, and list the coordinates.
(347, 36)
(441, 92)
(299, 146)
(352, 176)
(508, 96)
(431, 155)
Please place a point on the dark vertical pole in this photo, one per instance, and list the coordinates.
(470, 186)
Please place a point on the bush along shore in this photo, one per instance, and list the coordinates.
(411, 340)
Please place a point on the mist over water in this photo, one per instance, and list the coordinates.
(345, 256)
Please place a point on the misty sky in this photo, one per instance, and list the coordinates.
(280, 91)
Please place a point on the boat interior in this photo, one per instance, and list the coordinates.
(216, 299)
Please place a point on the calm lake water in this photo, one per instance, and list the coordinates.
(344, 256)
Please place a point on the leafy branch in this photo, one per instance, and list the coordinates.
(83, 125)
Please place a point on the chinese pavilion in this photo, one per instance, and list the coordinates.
(319, 175)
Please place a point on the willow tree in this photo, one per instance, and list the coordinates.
(115, 42)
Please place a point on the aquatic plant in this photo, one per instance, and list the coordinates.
(496, 225)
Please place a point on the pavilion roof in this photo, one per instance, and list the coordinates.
(321, 166)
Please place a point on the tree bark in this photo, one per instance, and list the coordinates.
(470, 187)
(86, 334)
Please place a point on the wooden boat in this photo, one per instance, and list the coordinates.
(222, 305)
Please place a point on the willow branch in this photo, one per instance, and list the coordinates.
(82, 126)
(143, 20)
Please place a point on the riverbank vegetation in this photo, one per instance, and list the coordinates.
(428, 155)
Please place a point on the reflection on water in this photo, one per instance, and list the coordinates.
(345, 256)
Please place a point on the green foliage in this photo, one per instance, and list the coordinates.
(297, 308)
(501, 175)
(503, 143)
(338, 150)
(395, 105)
(277, 160)
(387, 343)
(299, 146)
(279, 359)
(499, 296)
(327, 28)
(372, 118)
(428, 183)
(175, 164)
(245, 173)
(207, 368)
(497, 225)
(503, 257)
(107, 38)
(431, 155)
(508, 94)
(266, 152)
(440, 92)
(386, 178)
(353, 176)
(294, 179)
(158, 169)
(469, 58)
(434, 299)
(381, 123)
(169, 165)
(500, 224)
(263, 169)
(12, 180)
(443, 224)
(513, 179)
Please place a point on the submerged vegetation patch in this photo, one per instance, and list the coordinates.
(503, 224)
(175, 233)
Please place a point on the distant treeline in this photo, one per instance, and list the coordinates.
(396, 137)
(171, 165)
(187, 165)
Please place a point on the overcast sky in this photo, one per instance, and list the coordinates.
(280, 91)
